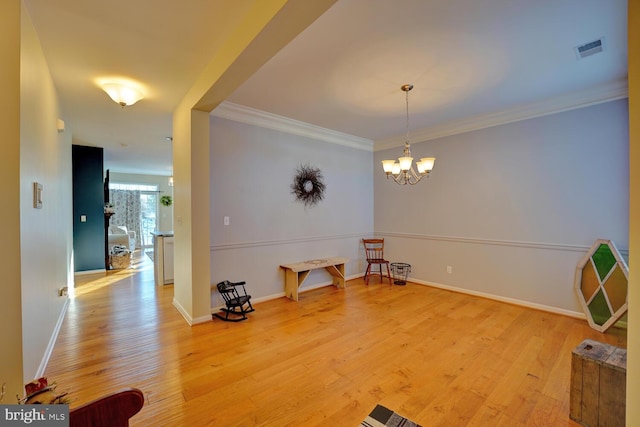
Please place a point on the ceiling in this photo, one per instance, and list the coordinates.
(472, 62)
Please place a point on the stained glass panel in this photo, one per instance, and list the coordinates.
(601, 284)
(599, 309)
(616, 288)
(603, 259)
(590, 282)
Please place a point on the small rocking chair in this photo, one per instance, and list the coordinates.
(236, 303)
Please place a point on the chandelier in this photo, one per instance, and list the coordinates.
(402, 170)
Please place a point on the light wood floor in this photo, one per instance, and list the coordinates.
(437, 357)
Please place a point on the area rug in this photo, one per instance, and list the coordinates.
(383, 417)
(149, 254)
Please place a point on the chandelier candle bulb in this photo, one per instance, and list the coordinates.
(405, 163)
(387, 165)
(425, 164)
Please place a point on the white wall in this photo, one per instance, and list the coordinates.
(252, 170)
(512, 208)
(46, 239)
(165, 219)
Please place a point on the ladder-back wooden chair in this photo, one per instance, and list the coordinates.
(374, 251)
(236, 303)
(113, 410)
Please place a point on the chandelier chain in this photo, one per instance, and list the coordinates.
(406, 139)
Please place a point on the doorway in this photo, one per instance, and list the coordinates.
(136, 207)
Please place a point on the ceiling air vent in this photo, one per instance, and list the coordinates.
(590, 48)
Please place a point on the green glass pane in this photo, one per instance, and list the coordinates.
(603, 259)
(599, 309)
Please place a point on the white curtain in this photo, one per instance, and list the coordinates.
(127, 208)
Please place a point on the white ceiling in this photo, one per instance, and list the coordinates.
(468, 59)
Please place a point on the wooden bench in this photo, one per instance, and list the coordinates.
(295, 274)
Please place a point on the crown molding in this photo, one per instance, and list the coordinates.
(252, 116)
(597, 95)
(572, 101)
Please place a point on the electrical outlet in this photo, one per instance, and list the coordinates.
(449, 269)
(226, 220)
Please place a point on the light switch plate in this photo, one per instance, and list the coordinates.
(37, 195)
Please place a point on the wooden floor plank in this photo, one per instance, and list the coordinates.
(434, 356)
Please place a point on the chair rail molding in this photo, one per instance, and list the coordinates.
(496, 242)
(258, 243)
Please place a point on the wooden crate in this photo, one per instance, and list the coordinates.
(598, 384)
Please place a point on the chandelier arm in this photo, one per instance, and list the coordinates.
(416, 176)
(410, 177)
(399, 179)
(415, 181)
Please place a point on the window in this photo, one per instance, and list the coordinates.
(140, 187)
(148, 209)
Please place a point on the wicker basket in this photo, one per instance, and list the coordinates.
(120, 257)
(120, 261)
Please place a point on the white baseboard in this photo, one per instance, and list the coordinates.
(52, 341)
(190, 320)
(528, 304)
(182, 311)
(521, 303)
(300, 291)
(86, 272)
(201, 319)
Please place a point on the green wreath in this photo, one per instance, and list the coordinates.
(308, 185)
(166, 201)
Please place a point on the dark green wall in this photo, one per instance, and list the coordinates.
(88, 200)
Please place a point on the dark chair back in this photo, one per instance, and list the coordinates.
(113, 410)
(237, 303)
(228, 292)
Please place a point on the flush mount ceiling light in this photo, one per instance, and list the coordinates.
(402, 170)
(122, 94)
